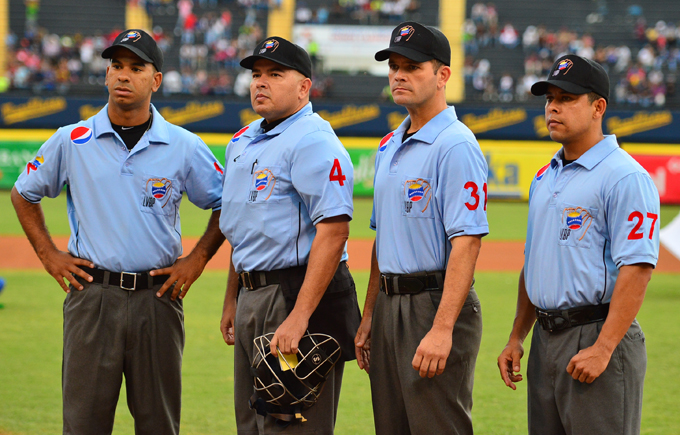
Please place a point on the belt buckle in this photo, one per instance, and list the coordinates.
(384, 283)
(134, 281)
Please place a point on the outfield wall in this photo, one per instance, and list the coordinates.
(512, 164)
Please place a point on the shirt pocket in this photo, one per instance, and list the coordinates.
(265, 185)
(160, 195)
(576, 225)
(417, 197)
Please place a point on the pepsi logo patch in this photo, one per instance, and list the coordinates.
(81, 135)
(131, 36)
(416, 192)
(383, 143)
(238, 134)
(35, 164)
(218, 169)
(541, 172)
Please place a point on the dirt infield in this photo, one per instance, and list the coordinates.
(16, 253)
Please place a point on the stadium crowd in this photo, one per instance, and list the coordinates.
(643, 72)
(381, 12)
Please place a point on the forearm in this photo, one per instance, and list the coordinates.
(373, 285)
(525, 315)
(324, 257)
(232, 285)
(629, 293)
(211, 240)
(459, 274)
(32, 221)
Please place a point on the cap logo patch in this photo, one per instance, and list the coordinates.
(405, 32)
(133, 35)
(563, 67)
(270, 45)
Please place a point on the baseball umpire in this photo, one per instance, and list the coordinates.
(288, 181)
(422, 323)
(125, 170)
(592, 242)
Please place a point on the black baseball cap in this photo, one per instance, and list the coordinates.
(140, 43)
(576, 75)
(282, 52)
(418, 43)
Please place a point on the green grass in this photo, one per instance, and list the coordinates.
(507, 220)
(30, 361)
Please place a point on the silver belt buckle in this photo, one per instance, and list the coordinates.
(134, 281)
(247, 283)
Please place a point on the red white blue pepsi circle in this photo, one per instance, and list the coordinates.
(574, 220)
(239, 133)
(541, 172)
(383, 143)
(81, 135)
(416, 192)
(261, 181)
(159, 189)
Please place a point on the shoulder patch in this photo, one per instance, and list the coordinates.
(81, 135)
(238, 134)
(541, 172)
(383, 143)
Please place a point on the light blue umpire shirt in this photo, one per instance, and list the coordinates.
(278, 185)
(586, 220)
(428, 190)
(123, 206)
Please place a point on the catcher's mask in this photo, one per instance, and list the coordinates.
(286, 385)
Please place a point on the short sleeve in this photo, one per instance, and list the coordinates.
(632, 208)
(204, 179)
(323, 175)
(46, 174)
(461, 191)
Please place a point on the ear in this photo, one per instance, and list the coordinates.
(443, 76)
(106, 80)
(157, 80)
(599, 108)
(305, 87)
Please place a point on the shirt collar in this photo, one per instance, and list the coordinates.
(158, 133)
(306, 110)
(594, 155)
(430, 131)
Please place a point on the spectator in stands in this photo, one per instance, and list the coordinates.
(509, 37)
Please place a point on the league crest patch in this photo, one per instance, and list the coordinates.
(270, 45)
(81, 135)
(383, 143)
(576, 221)
(131, 36)
(262, 185)
(35, 164)
(405, 32)
(238, 134)
(563, 67)
(157, 190)
(417, 195)
(541, 172)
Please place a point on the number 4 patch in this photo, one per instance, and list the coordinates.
(336, 173)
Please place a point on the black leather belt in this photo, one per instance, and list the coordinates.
(557, 320)
(125, 280)
(255, 279)
(411, 283)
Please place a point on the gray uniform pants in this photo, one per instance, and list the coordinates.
(558, 404)
(260, 312)
(108, 333)
(403, 402)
